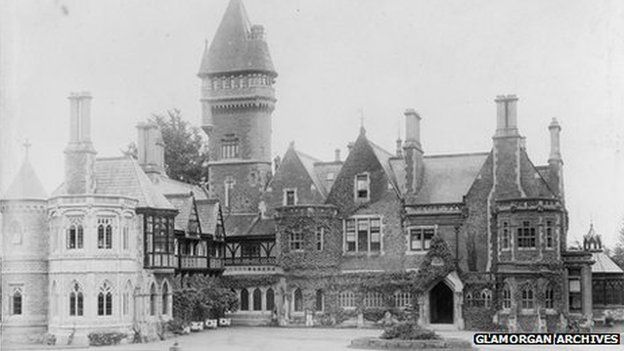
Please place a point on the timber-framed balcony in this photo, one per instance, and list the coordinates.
(250, 261)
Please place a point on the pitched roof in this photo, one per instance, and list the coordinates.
(232, 49)
(26, 185)
(326, 173)
(308, 163)
(604, 264)
(248, 225)
(184, 204)
(447, 178)
(384, 158)
(208, 212)
(169, 186)
(124, 176)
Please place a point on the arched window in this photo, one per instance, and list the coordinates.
(373, 299)
(257, 300)
(469, 301)
(549, 298)
(506, 297)
(346, 299)
(486, 296)
(244, 300)
(165, 298)
(402, 299)
(105, 233)
(76, 300)
(527, 298)
(153, 299)
(75, 233)
(270, 300)
(16, 301)
(105, 300)
(298, 295)
(320, 300)
(127, 299)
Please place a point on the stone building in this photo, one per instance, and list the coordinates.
(103, 252)
(471, 239)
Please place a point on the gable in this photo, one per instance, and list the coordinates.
(531, 180)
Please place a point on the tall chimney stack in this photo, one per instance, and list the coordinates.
(79, 153)
(151, 148)
(337, 155)
(555, 162)
(413, 153)
(506, 115)
(555, 147)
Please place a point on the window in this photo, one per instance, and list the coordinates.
(229, 147)
(469, 300)
(228, 187)
(320, 300)
(257, 300)
(363, 235)
(549, 298)
(574, 289)
(486, 296)
(506, 297)
(527, 298)
(295, 241)
(270, 299)
(526, 235)
(165, 299)
(550, 240)
(290, 197)
(373, 299)
(346, 299)
(76, 301)
(250, 250)
(420, 238)
(152, 305)
(362, 185)
(330, 176)
(105, 300)
(244, 300)
(16, 301)
(125, 238)
(105, 233)
(505, 240)
(320, 233)
(75, 234)
(298, 298)
(402, 299)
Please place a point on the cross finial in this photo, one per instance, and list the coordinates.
(362, 130)
(26, 145)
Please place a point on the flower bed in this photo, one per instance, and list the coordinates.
(392, 344)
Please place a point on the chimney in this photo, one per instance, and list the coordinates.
(555, 147)
(399, 149)
(79, 153)
(337, 155)
(413, 153)
(277, 162)
(506, 115)
(151, 148)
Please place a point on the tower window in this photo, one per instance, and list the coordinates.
(320, 233)
(76, 300)
(505, 240)
(526, 236)
(229, 147)
(290, 197)
(75, 234)
(228, 187)
(420, 238)
(105, 233)
(16, 301)
(550, 240)
(295, 241)
(362, 187)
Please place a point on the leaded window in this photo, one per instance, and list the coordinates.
(363, 234)
(16, 301)
(75, 234)
(105, 300)
(528, 301)
(486, 296)
(549, 235)
(549, 297)
(526, 235)
(362, 187)
(295, 241)
(105, 233)
(346, 299)
(402, 299)
(229, 146)
(506, 297)
(320, 234)
(505, 239)
(76, 300)
(373, 299)
(420, 238)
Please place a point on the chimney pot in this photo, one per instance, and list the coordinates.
(412, 128)
(337, 155)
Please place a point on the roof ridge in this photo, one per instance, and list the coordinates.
(462, 154)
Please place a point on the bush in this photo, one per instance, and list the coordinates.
(409, 331)
(374, 315)
(176, 326)
(210, 303)
(103, 339)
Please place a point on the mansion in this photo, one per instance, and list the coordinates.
(470, 240)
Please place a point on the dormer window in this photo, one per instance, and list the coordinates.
(229, 146)
(330, 176)
(362, 187)
(290, 197)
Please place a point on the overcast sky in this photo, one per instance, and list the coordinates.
(446, 59)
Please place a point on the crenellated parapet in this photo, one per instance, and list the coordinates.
(528, 204)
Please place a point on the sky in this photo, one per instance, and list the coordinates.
(335, 58)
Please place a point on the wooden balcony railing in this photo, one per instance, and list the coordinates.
(160, 260)
(249, 261)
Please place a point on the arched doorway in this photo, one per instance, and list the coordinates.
(441, 303)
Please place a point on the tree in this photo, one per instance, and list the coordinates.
(185, 155)
(618, 252)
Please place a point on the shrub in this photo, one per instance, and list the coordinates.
(374, 315)
(176, 326)
(210, 303)
(409, 331)
(102, 339)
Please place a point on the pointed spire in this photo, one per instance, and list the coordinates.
(237, 46)
(26, 184)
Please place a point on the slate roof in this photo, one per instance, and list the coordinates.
(208, 212)
(123, 176)
(248, 225)
(308, 163)
(26, 185)
(446, 178)
(323, 169)
(604, 264)
(384, 158)
(232, 49)
(170, 186)
(184, 204)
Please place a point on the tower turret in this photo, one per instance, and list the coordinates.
(237, 99)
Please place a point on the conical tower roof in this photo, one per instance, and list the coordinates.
(234, 47)
(26, 184)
